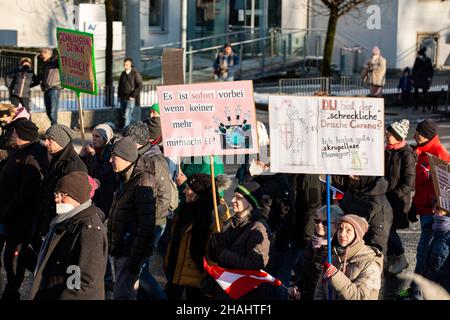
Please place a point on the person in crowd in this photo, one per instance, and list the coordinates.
(150, 156)
(192, 227)
(355, 270)
(437, 264)
(404, 84)
(427, 142)
(97, 156)
(226, 65)
(374, 73)
(130, 86)
(421, 76)
(315, 254)
(244, 241)
(64, 159)
(366, 197)
(9, 117)
(131, 220)
(51, 84)
(20, 82)
(72, 260)
(278, 195)
(400, 172)
(20, 181)
(192, 165)
(155, 138)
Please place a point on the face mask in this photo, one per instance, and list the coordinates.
(254, 169)
(62, 208)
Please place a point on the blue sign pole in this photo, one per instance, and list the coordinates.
(329, 228)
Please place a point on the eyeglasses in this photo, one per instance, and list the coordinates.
(60, 195)
(317, 221)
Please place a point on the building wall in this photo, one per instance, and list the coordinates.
(171, 33)
(422, 17)
(35, 20)
(294, 14)
(353, 31)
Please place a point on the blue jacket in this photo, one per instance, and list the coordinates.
(438, 259)
(405, 84)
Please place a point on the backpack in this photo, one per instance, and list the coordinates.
(161, 167)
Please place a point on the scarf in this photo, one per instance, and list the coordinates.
(55, 223)
(396, 146)
(441, 223)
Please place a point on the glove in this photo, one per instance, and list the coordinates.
(318, 242)
(328, 270)
(412, 214)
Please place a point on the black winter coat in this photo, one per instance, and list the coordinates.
(400, 173)
(20, 81)
(80, 241)
(308, 199)
(131, 220)
(366, 198)
(282, 227)
(100, 167)
(422, 70)
(20, 181)
(61, 164)
(130, 85)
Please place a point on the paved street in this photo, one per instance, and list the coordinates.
(409, 237)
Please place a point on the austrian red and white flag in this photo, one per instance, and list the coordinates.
(236, 283)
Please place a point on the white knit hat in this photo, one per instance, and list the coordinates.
(399, 129)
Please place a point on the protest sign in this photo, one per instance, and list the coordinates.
(327, 135)
(172, 66)
(76, 60)
(440, 173)
(208, 119)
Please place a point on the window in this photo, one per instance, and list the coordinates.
(156, 18)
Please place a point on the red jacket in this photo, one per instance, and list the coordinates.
(424, 196)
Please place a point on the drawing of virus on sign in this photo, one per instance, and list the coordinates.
(237, 132)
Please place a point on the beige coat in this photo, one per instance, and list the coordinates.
(362, 277)
(374, 72)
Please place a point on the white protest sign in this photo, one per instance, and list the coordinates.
(327, 135)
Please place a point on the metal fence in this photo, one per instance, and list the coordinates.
(106, 98)
(345, 86)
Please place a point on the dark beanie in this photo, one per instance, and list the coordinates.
(360, 225)
(61, 134)
(126, 149)
(251, 191)
(26, 130)
(427, 128)
(154, 126)
(199, 182)
(76, 185)
(138, 131)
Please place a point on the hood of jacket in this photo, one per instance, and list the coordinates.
(369, 185)
(21, 113)
(434, 147)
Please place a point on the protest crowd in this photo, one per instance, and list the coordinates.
(89, 225)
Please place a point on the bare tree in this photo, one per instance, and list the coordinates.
(334, 9)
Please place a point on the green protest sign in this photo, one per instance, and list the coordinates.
(76, 60)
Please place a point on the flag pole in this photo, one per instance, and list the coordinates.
(80, 115)
(329, 229)
(213, 183)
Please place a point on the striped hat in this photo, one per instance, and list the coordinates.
(251, 191)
